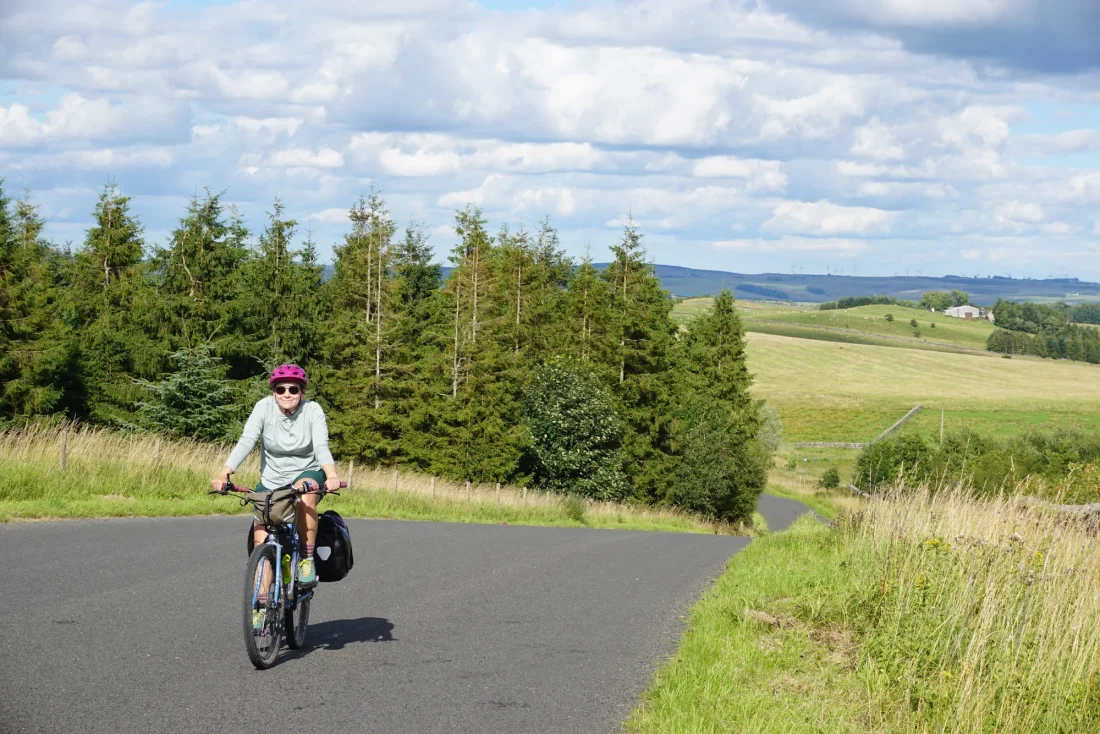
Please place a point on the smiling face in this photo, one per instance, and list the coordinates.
(290, 397)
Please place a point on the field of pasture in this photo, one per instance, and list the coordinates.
(873, 325)
(828, 391)
(847, 375)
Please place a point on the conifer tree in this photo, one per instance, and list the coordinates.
(359, 378)
(33, 362)
(107, 295)
(474, 431)
(198, 279)
(417, 383)
(193, 399)
(281, 300)
(712, 359)
(645, 332)
(722, 466)
(587, 324)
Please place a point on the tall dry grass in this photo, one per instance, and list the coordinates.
(977, 614)
(111, 473)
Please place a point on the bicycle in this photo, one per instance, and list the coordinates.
(272, 567)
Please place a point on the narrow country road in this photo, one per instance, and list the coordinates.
(134, 626)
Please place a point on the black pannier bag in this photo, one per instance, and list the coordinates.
(332, 554)
(332, 551)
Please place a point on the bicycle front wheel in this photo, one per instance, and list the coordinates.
(296, 622)
(262, 619)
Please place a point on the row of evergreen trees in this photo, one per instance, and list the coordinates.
(519, 366)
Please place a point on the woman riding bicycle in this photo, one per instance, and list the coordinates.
(293, 437)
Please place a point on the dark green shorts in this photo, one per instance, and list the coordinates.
(317, 477)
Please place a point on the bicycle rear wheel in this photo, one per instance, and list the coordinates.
(259, 583)
(296, 622)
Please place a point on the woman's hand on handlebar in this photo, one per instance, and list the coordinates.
(220, 479)
(333, 484)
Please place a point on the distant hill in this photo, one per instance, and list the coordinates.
(689, 282)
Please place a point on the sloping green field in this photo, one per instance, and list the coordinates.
(932, 327)
(828, 391)
(863, 325)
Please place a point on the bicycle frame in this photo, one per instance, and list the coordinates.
(274, 538)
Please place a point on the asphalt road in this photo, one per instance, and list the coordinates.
(134, 626)
(780, 513)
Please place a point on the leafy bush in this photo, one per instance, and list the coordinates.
(913, 323)
(575, 433)
(889, 317)
(721, 471)
(932, 324)
(988, 463)
(830, 479)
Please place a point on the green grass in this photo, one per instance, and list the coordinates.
(737, 671)
(112, 475)
(853, 392)
(872, 320)
(920, 614)
(799, 331)
(689, 308)
(93, 490)
(863, 325)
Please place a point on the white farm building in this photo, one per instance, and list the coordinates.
(963, 312)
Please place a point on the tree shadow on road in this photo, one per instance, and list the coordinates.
(336, 634)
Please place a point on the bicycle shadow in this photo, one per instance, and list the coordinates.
(336, 634)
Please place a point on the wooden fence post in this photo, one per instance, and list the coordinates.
(395, 481)
(467, 492)
(525, 495)
(433, 487)
(64, 448)
(351, 473)
(498, 493)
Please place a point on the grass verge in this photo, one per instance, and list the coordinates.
(919, 613)
(109, 474)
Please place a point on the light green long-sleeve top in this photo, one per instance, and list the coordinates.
(289, 444)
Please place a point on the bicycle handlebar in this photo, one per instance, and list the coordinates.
(230, 487)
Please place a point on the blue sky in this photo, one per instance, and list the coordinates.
(740, 135)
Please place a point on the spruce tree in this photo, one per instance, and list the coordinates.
(587, 324)
(645, 332)
(33, 361)
(474, 431)
(193, 400)
(198, 279)
(359, 376)
(712, 359)
(722, 464)
(417, 384)
(281, 301)
(107, 296)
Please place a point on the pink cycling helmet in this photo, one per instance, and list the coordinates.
(285, 372)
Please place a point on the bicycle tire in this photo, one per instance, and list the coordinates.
(262, 656)
(296, 622)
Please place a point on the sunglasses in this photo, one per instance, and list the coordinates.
(292, 389)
